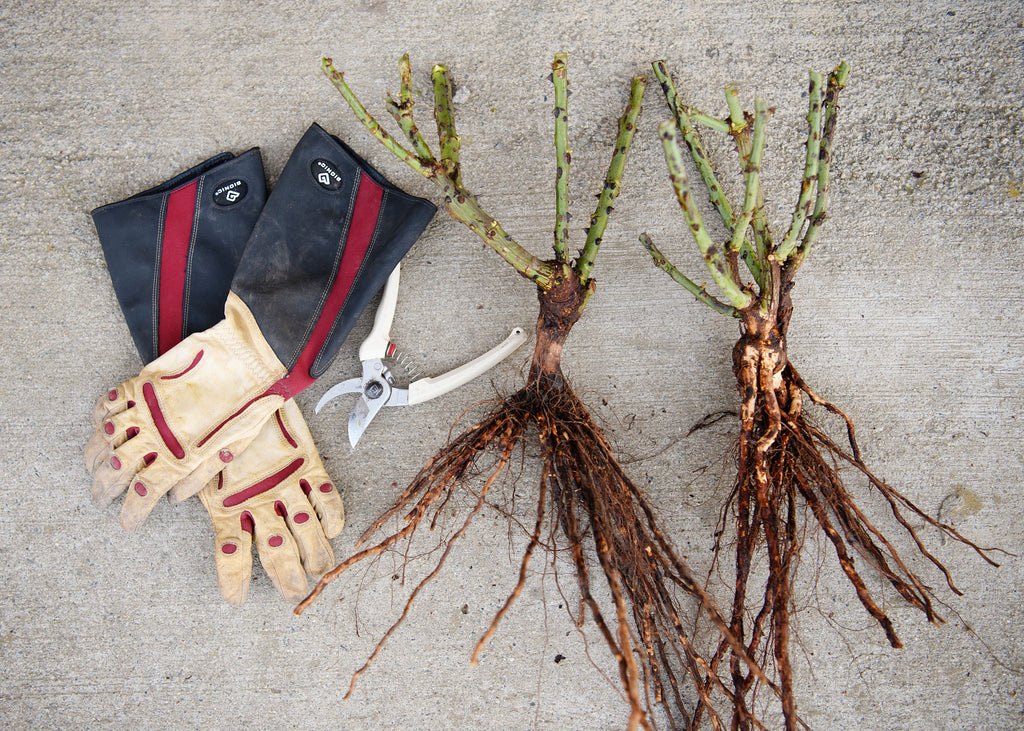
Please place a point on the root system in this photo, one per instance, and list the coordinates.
(786, 465)
(585, 505)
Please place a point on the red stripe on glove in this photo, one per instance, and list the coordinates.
(262, 486)
(160, 422)
(360, 234)
(177, 240)
(195, 362)
(284, 432)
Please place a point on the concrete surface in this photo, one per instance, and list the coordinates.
(908, 315)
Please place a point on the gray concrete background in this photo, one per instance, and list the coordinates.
(908, 315)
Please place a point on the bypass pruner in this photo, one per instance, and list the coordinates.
(376, 387)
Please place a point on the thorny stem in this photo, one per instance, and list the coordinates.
(771, 266)
(459, 202)
(737, 119)
(463, 206)
(450, 143)
(706, 119)
(402, 111)
(753, 176)
(423, 167)
(563, 156)
(803, 204)
(697, 290)
(612, 180)
(684, 111)
(685, 116)
(713, 255)
(693, 141)
(741, 134)
(836, 82)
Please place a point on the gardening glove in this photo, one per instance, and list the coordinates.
(289, 509)
(172, 251)
(326, 241)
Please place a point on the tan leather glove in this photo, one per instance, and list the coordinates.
(185, 417)
(277, 494)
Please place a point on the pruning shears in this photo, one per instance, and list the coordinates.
(376, 387)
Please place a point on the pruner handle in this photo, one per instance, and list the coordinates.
(377, 342)
(428, 388)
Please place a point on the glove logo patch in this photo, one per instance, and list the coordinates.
(229, 192)
(326, 174)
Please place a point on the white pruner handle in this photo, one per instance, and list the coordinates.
(428, 388)
(376, 343)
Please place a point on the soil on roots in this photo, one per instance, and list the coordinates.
(587, 507)
(787, 465)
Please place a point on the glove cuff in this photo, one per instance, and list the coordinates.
(172, 250)
(245, 340)
(325, 243)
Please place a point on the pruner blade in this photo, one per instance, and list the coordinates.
(352, 385)
(358, 420)
(377, 387)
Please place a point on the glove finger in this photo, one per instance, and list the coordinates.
(313, 478)
(233, 553)
(114, 431)
(97, 449)
(139, 502)
(320, 492)
(207, 471)
(108, 483)
(278, 553)
(116, 468)
(314, 548)
(114, 401)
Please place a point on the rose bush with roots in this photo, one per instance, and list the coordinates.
(586, 506)
(787, 467)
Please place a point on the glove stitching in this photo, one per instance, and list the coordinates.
(158, 247)
(249, 355)
(186, 297)
(253, 363)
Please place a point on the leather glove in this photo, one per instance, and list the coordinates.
(325, 242)
(172, 251)
(276, 494)
(185, 416)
